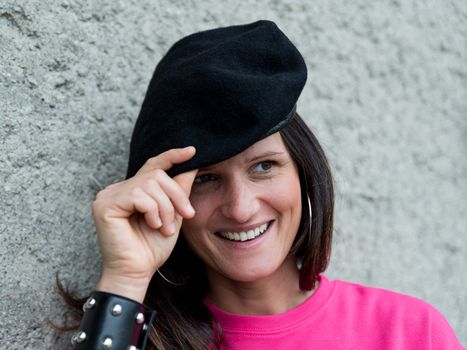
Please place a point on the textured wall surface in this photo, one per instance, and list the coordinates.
(386, 95)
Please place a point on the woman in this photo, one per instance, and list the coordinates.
(224, 223)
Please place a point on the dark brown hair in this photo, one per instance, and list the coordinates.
(183, 321)
(314, 237)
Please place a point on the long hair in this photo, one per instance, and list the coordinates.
(183, 321)
(312, 245)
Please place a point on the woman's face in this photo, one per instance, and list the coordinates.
(248, 210)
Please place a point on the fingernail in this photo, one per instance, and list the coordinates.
(158, 222)
(190, 209)
(172, 228)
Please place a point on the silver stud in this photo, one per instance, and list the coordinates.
(78, 338)
(89, 304)
(132, 347)
(107, 344)
(139, 318)
(117, 310)
(145, 327)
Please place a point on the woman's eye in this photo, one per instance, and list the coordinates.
(263, 166)
(203, 178)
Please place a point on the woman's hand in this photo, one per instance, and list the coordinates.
(138, 222)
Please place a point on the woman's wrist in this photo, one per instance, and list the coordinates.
(113, 322)
(131, 288)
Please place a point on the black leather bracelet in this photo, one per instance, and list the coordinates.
(113, 322)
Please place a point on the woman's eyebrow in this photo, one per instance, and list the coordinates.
(263, 155)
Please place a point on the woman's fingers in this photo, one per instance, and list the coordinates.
(146, 205)
(171, 199)
(164, 201)
(167, 159)
(185, 180)
(157, 209)
(166, 211)
(152, 219)
(177, 194)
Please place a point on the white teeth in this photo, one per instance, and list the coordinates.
(244, 235)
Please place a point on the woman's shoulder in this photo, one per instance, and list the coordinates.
(390, 312)
(379, 299)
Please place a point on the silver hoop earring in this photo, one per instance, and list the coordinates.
(310, 213)
(299, 261)
(168, 281)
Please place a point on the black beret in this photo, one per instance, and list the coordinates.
(220, 90)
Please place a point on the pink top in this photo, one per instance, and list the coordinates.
(341, 315)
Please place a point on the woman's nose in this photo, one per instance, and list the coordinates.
(241, 202)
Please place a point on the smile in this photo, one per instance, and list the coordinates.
(245, 235)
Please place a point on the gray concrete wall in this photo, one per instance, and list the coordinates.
(386, 95)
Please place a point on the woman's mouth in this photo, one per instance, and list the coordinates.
(244, 236)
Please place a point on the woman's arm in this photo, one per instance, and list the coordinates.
(137, 221)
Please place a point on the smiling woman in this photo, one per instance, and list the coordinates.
(243, 231)
(219, 235)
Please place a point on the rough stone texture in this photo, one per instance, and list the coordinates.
(386, 95)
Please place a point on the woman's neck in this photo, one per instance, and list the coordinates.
(274, 294)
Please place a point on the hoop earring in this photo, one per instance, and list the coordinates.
(168, 281)
(299, 261)
(310, 213)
